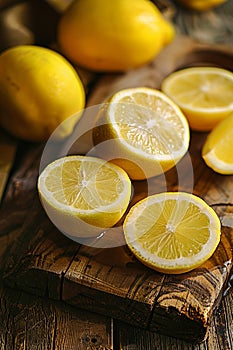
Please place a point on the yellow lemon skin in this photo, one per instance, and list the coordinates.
(39, 89)
(169, 31)
(105, 35)
(201, 5)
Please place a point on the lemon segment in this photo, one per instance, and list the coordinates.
(205, 94)
(172, 232)
(142, 131)
(217, 149)
(83, 195)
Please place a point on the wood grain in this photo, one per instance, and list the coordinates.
(181, 305)
(220, 335)
(34, 323)
(7, 150)
(110, 281)
(34, 255)
(37, 258)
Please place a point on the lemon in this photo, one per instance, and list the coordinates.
(39, 89)
(205, 94)
(105, 35)
(142, 131)
(169, 31)
(217, 149)
(172, 232)
(201, 5)
(84, 195)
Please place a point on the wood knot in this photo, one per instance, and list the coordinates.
(92, 340)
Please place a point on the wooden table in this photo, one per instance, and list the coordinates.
(33, 315)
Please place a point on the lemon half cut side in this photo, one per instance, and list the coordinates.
(217, 149)
(205, 94)
(84, 195)
(145, 133)
(172, 232)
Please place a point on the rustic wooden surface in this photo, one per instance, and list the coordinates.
(29, 322)
(7, 151)
(36, 258)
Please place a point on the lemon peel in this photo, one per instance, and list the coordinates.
(172, 232)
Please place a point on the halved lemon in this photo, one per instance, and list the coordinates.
(217, 150)
(142, 131)
(172, 232)
(205, 94)
(82, 195)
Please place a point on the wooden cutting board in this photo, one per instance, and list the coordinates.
(37, 258)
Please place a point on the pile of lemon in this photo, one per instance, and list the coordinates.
(138, 134)
(39, 88)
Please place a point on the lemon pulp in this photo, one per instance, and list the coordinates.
(142, 131)
(82, 195)
(217, 149)
(205, 94)
(172, 232)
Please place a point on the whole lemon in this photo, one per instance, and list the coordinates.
(39, 89)
(105, 35)
(201, 5)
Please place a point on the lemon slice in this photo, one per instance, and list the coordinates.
(217, 149)
(172, 232)
(142, 131)
(205, 94)
(82, 195)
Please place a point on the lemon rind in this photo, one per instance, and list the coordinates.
(217, 164)
(182, 264)
(153, 92)
(48, 197)
(201, 70)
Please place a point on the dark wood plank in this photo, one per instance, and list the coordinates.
(220, 336)
(7, 150)
(186, 302)
(122, 289)
(29, 322)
